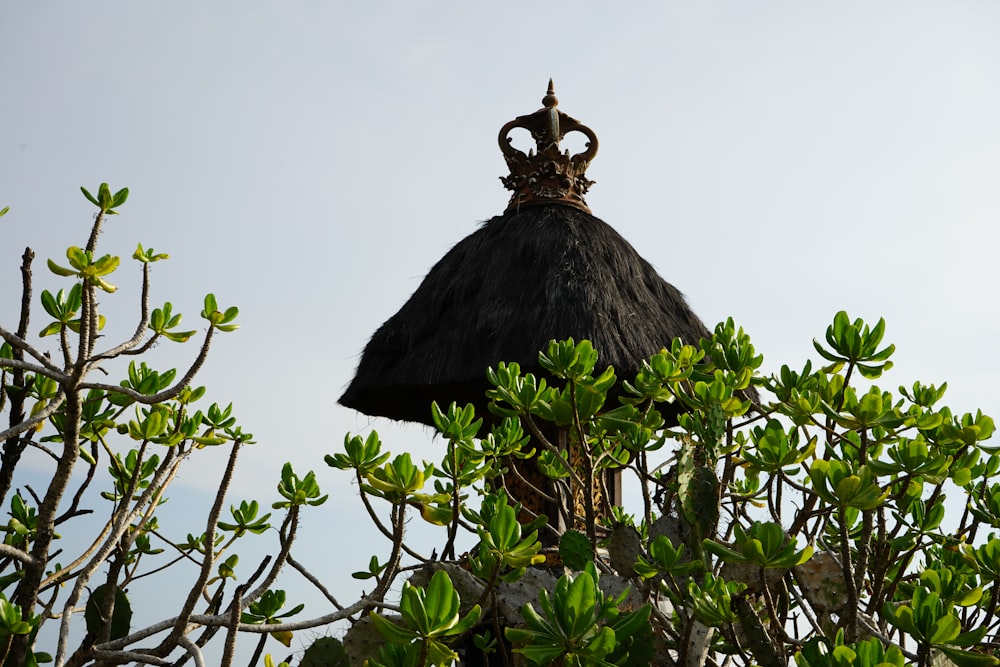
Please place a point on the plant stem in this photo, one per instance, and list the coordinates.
(15, 445)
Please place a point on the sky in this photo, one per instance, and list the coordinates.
(309, 161)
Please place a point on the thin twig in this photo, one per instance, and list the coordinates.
(54, 405)
(8, 551)
(193, 651)
(130, 656)
(208, 561)
(47, 368)
(314, 581)
(140, 331)
(231, 634)
(121, 523)
(166, 394)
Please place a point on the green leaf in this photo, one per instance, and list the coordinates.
(712, 600)
(365, 455)
(227, 568)
(51, 329)
(945, 629)
(964, 658)
(60, 271)
(223, 321)
(104, 196)
(576, 624)
(89, 196)
(374, 570)
(298, 491)
(120, 197)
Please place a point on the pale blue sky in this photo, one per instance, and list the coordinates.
(309, 161)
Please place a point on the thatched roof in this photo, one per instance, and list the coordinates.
(541, 272)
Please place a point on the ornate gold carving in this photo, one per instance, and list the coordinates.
(548, 175)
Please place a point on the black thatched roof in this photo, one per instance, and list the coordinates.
(523, 278)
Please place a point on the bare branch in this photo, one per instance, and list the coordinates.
(193, 651)
(378, 522)
(17, 342)
(314, 581)
(95, 232)
(182, 552)
(290, 524)
(14, 447)
(540, 437)
(166, 394)
(72, 510)
(44, 414)
(131, 656)
(45, 371)
(206, 566)
(61, 575)
(224, 620)
(234, 623)
(8, 551)
(140, 331)
(123, 520)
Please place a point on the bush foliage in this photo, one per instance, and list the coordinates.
(811, 516)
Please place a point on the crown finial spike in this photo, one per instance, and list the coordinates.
(550, 101)
(545, 175)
